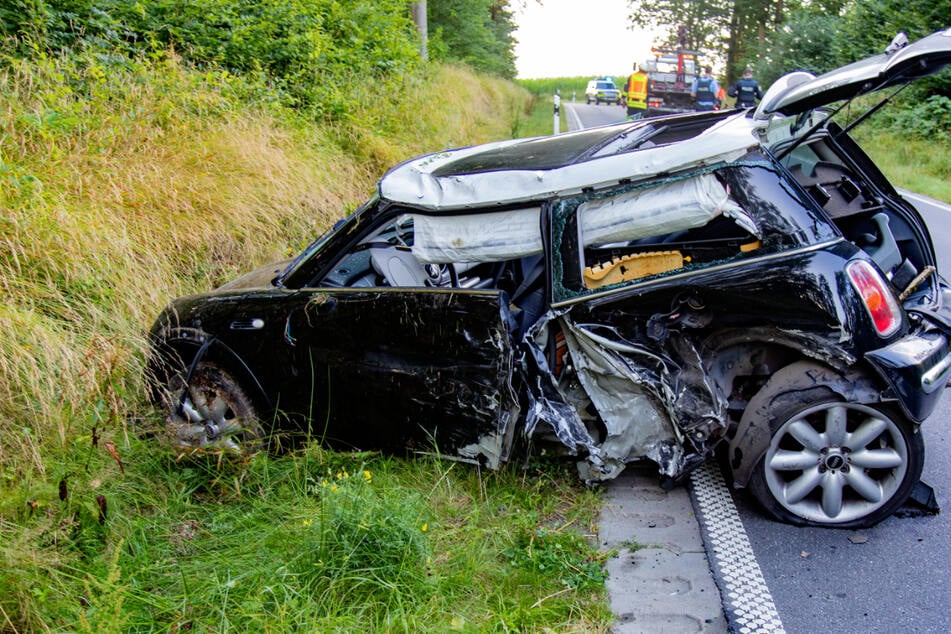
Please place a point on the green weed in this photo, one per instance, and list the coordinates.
(128, 182)
(910, 162)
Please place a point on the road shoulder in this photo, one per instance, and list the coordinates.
(660, 579)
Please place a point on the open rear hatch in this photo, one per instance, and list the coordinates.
(797, 114)
(901, 63)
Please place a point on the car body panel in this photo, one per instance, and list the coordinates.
(410, 368)
(618, 294)
(325, 350)
(922, 58)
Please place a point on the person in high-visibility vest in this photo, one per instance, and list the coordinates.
(636, 91)
(721, 99)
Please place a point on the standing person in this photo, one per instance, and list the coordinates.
(636, 90)
(746, 90)
(704, 90)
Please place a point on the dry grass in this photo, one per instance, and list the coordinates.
(122, 193)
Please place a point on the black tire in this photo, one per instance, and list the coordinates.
(833, 463)
(213, 413)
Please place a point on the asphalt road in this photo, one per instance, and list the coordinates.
(895, 577)
(581, 115)
(937, 215)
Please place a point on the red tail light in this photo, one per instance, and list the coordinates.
(879, 300)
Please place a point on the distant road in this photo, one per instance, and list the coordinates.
(937, 215)
(582, 115)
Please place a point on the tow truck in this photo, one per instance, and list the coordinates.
(670, 75)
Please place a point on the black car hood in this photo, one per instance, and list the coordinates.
(800, 91)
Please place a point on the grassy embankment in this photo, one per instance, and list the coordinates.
(121, 192)
(921, 166)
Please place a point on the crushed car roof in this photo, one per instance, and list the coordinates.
(521, 170)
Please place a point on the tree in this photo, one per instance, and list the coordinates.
(806, 40)
(738, 32)
(783, 35)
(868, 28)
(474, 32)
(702, 23)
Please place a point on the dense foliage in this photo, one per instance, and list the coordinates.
(776, 37)
(475, 32)
(309, 51)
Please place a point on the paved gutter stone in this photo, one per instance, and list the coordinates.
(664, 585)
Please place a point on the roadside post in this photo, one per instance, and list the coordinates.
(557, 110)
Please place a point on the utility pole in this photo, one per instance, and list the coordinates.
(418, 11)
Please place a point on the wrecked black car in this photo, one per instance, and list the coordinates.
(659, 290)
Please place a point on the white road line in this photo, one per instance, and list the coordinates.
(572, 118)
(925, 199)
(747, 601)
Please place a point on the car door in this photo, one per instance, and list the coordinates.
(408, 368)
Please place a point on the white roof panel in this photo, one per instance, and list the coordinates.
(427, 182)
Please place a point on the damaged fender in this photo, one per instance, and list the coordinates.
(654, 401)
(805, 382)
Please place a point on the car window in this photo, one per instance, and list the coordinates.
(679, 225)
(304, 267)
(787, 217)
(494, 251)
(542, 153)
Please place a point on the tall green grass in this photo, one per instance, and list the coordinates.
(125, 185)
(309, 542)
(568, 87)
(920, 165)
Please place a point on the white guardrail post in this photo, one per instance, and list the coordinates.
(557, 110)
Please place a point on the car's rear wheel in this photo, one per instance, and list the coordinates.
(837, 464)
(211, 413)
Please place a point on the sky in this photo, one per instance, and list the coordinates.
(570, 38)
